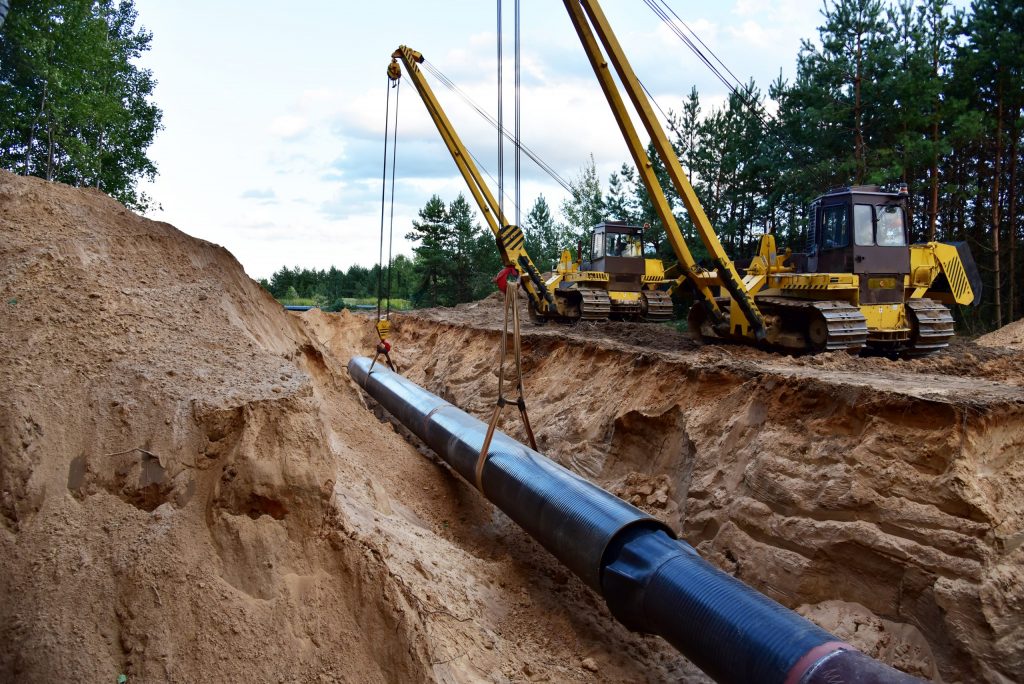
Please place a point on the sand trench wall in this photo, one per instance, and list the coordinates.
(887, 518)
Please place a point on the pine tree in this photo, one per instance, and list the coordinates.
(992, 64)
(544, 240)
(462, 256)
(584, 209)
(432, 235)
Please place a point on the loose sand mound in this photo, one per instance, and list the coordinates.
(191, 488)
(1009, 336)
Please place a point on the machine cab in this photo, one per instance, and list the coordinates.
(862, 229)
(617, 247)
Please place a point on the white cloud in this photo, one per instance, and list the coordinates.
(306, 122)
(289, 127)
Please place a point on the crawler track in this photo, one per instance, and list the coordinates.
(657, 305)
(827, 325)
(595, 305)
(932, 325)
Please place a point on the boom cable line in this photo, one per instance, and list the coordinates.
(674, 22)
(383, 327)
(518, 118)
(486, 116)
(501, 115)
(383, 190)
(391, 224)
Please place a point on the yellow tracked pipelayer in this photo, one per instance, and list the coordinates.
(858, 284)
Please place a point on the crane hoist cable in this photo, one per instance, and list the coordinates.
(383, 326)
(518, 117)
(508, 279)
(486, 116)
(501, 127)
(663, 10)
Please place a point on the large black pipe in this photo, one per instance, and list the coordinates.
(652, 582)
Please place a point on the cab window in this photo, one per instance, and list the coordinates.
(598, 247)
(890, 226)
(863, 225)
(623, 244)
(835, 227)
(616, 242)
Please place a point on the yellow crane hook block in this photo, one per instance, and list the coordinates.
(383, 329)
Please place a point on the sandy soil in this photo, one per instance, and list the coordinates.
(192, 489)
(881, 498)
(1010, 336)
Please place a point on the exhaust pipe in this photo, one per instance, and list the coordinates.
(651, 581)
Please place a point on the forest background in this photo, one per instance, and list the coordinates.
(921, 93)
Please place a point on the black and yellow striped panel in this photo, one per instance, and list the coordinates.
(512, 237)
(956, 276)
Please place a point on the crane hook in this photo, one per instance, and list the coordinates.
(394, 70)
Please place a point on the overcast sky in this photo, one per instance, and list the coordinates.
(274, 112)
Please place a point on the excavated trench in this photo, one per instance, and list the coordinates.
(885, 505)
(192, 488)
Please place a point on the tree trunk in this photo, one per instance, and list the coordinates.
(32, 130)
(49, 151)
(933, 203)
(1012, 220)
(99, 161)
(997, 287)
(858, 134)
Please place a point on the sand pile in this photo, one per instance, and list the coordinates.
(192, 489)
(1010, 336)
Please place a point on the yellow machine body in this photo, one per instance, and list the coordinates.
(634, 289)
(775, 302)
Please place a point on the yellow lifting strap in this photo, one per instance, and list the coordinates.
(383, 346)
(511, 311)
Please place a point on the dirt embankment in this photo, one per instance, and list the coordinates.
(884, 499)
(192, 489)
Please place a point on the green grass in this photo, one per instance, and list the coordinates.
(298, 301)
(396, 304)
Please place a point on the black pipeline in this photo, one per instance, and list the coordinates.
(651, 581)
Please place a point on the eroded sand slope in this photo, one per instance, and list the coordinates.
(191, 488)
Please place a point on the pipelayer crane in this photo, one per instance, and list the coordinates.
(858, 284)
(872, 288)
(620, 281)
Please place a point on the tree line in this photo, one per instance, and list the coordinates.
(921, 93)
(330, 288)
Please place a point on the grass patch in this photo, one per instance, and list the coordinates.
(396, 304)
(298, 301)
(345, 302)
